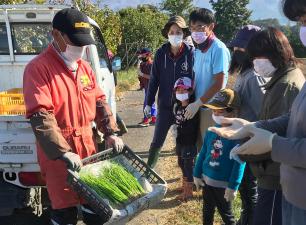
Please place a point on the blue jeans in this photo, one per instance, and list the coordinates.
(268, 210)
(292, 215)
(153, 107)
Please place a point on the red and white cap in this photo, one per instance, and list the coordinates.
(183, 82)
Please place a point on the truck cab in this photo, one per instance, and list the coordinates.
(25, 31)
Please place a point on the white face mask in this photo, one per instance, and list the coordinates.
(303, 35)
(72, 54)
(182, 97)
(199, 37)
(264, 67)
(175, 40)
(217, 119)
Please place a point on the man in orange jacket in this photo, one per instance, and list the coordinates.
(62, 100)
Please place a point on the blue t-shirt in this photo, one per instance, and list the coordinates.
(208, 64)
(214, 165)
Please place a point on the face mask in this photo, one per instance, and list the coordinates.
(182, 97)
(303, 35)
(217, 119)
(199, 37)
(264, 67)
(175, 40)
(72, 54)
(240, 57)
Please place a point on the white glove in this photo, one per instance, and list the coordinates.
(260, 141)
(117, 214)
(72, 160)
(140, 73)
(230, 194)
(234, 155)
(115, 142)
(147, 111)
(198, 183)
(192, 109)
(231, 128)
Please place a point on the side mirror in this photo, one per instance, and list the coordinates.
(116, 64)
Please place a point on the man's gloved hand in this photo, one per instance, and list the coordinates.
(192, 109)
(147, 111)
(198, 182)
(115, 142)
(260, 141)
(230, 194)
(232, 128)
(72, 160)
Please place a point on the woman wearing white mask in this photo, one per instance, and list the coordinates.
(284, 138)
(172, 60)
(273, 58)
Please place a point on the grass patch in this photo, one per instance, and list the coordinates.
(126, 79)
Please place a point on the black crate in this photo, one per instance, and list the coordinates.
(100, 206)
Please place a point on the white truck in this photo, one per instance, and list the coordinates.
(25, 31)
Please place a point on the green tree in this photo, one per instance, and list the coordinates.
(108, 21)
(230, 16)
(271, 22)
(141, 27)
(174, 7)
(292, 34)
(11, 2)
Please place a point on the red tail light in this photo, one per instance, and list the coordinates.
(31, 179)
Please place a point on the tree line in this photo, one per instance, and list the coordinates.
(131, 28)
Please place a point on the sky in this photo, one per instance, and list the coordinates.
(262, 9)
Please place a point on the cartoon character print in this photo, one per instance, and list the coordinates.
(179, 116)
(216, 152)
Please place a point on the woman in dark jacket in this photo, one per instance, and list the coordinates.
(172, 60)
(273, 58)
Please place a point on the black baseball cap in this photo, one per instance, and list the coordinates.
(75, 25)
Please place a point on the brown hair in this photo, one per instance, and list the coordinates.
(274, 45)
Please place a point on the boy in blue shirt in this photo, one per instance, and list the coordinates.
(219, 175)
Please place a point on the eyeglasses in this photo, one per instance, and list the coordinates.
(197, 28)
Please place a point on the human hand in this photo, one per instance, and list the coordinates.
(260, 141)
(140, 74)
(230, 194)
(192, 109)
(198, 183)
(114, 142)
(72, 160)
(232, 128)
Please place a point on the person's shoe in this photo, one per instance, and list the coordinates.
(187, 192)
(181, 188)
(145, 122)
(153, 120)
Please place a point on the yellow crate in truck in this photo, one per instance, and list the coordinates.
(12, 102)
